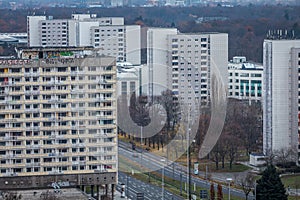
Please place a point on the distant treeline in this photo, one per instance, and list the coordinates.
(247, 26)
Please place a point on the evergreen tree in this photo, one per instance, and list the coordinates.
(269, 186)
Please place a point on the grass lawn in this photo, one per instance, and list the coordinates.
(293, 198)
(291, 180)
(294, 182)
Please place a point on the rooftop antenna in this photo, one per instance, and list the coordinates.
(280, 33)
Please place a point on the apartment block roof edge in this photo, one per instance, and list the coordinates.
(281, 35)
(201, 33)
(89, 48)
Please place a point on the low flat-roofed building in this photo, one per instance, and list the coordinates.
(244, 79)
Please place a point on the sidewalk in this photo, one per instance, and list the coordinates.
(118, 196)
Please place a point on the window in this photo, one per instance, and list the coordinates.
(132, 86)
(124, 87)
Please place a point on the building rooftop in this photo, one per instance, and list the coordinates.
(57, 48)
(66, 194)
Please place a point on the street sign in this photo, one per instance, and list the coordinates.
(203, 194)
(140, 196)
(196, 170)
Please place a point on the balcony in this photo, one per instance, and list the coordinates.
(9, 138)
(78, 127)
(55, 100)
(33, 128)
(31, 74)
(33, 164)
(36, 146)
(52, 119)
(4, 102)
(103, 99)
(102, 81)
(32, 92)
(55, 82)
(77, 108)
(75, 73)
(77, 91)
(32, 110)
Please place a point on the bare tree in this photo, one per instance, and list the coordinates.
(204, 122)
(167, 101)
(270, 158)
(215, 155)
(247, 183)
(232, 144)
(286, 157)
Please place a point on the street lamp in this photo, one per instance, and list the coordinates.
(255, 190)
(189, 166)
(229, 180)
(141, 145)
(162, 179)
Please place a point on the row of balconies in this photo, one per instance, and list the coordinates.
(55, 103)
(65, 141)
(98, 135)
(55, 172)
(67, 127)
(57, 164)
(55, 73)
(57, 92)
(67, 83)
(85, 154)
(58, 101)
(18, 111)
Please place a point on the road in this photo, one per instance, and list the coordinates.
(172, 170)
(150, 191)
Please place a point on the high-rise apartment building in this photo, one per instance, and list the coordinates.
(58, 119)
(244, 79)
(109, 34)
(191, 59)
(281, 99)
(183, 62)
(157, 58)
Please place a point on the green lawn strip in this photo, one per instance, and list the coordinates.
(293, 197)
(291, 180)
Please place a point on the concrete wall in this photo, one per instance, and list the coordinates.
(157, 52)
(281, 95)
(133, 44)
(33, 30)
(84, 33)
(70, 180)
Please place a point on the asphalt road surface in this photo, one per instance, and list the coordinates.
(151, 192)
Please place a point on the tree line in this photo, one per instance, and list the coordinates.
(242, 132)
(247, 26)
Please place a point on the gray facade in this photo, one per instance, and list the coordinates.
(281, 95)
